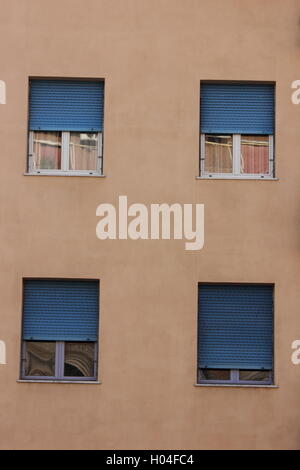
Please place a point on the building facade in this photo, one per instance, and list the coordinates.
(140, 344)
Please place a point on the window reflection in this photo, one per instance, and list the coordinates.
(79, 359)
(46, 150)
(214, 374)
(218, 153)
(255, 375)
(40, 359)
(255, 154)
(83, 151)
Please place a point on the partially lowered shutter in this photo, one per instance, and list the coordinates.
(60, 310)
(66, 105)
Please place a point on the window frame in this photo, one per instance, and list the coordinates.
(234, 373)
(59, 364)
(234, 378)
(236, 160)
(65, 156)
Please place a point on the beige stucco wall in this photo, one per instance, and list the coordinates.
(152, 55)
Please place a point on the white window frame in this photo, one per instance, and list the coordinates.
(234, 378)
(65, 157)
(236, 161)
(59, 364)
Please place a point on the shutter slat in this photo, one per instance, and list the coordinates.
(237, 109)
(66, 310)
(66, 105)
(235, 325)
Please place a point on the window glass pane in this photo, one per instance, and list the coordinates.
(46, 150)
(83, 151)
(218, 153)
(79, 359)
(214, 374)
(255, 154)
(254, 375)
(40, 359)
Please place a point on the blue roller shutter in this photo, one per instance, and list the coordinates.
(60, 310)
(66, 105)
(235, 326)
(237, 108)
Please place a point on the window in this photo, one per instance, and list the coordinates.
(66, 127)
(60, 330)
(237, 130)
(235, 334)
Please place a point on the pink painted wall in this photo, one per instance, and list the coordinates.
(152, 55)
